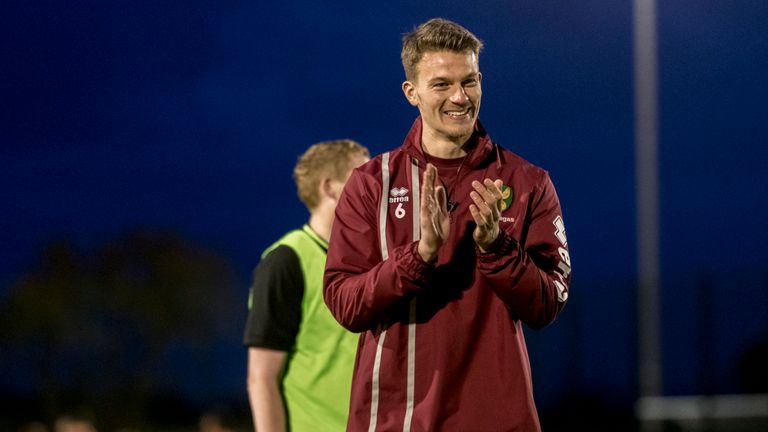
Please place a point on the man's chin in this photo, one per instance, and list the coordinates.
(456, 134)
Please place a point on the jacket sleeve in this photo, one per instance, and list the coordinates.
(532, 279)
(359, 286)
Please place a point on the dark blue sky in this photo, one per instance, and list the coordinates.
(189, 116)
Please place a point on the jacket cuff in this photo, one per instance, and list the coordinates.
(504, 244)
(411, 263)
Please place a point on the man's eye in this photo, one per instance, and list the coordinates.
(470, 83)
(441, 85)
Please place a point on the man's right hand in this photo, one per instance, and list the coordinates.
(435, 220)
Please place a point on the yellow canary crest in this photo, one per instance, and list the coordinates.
(506, 197)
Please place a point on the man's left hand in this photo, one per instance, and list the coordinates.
(486, 211)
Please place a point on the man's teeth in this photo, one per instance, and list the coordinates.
(457, 113)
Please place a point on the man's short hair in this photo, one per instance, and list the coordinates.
(436, 35)
(328, 159)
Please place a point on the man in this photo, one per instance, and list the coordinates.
(440, 251)
(299, 358)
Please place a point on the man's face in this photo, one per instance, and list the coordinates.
(447, 92)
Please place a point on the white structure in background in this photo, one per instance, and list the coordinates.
(694, 413)
(647, 179)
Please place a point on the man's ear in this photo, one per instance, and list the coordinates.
(326, 188)
(409, 90)
(331, 188)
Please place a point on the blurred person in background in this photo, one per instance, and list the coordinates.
(440, 251)
(75, 422)
(300, 359)
(219, 418)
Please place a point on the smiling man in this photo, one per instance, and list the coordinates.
(441, 250)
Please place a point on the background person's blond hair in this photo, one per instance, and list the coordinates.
(328, 159)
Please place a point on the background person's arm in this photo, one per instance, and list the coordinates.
(265, 367)
(270, 333)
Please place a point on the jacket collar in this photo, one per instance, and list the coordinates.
(478, 147)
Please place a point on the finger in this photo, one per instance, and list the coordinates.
(476, 214)
(441, 198)
(432, 173)
(492, 194)
(494, 187)
(436, 226)
(428, 180)
(482, 189)
(478, 217)
(481, 206)
(427, 188)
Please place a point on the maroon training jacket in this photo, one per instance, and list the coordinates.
(442, 346)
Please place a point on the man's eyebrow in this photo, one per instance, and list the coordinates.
(436, 79)
(470, 75)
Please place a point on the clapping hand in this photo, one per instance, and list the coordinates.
(435, 221)
(486, 211)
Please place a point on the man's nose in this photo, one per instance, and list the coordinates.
(459, 95)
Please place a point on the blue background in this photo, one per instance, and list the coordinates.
(189, 116)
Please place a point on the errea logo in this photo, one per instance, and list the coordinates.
(397, 194)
